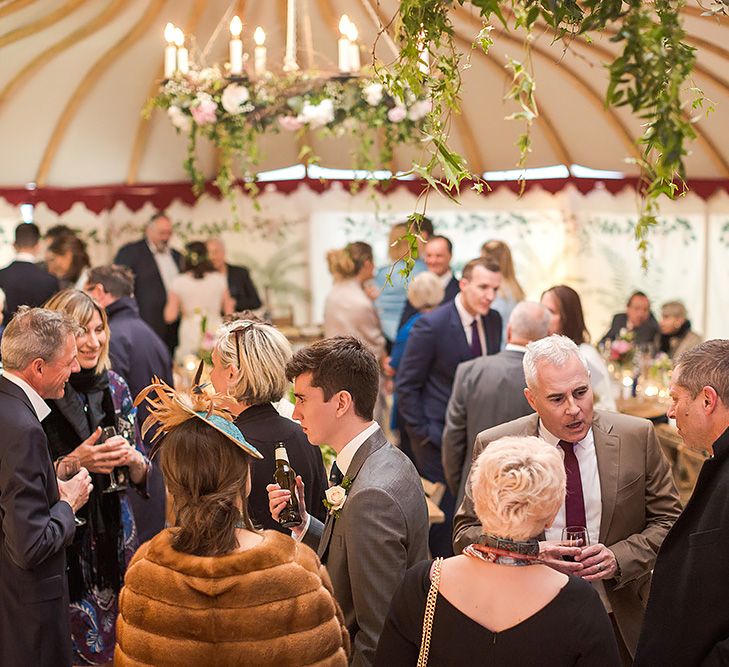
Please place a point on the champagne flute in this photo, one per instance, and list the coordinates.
(118, 474)
(66, 468)
(575, 536)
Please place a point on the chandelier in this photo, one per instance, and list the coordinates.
(235, 103)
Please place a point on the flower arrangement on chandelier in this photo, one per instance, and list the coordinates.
(233, 114)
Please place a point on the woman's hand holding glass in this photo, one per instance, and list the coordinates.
(102, 459)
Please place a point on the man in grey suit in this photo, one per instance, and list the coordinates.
(489, 391)
(377, 526)
(619, 485)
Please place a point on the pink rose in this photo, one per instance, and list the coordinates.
(204, 112)
(290, 123)
(396, 114)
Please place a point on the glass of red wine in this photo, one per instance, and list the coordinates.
(575, 536)
(66, 468)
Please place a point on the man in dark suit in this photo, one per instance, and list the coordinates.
(25, 283)
(619, 485)
(36, 510)
(240, 285)
(138, 354)
(378, 521)
(438, 254)
(489, 391)
(637, 319)
(155, 266)
(462, 329)
(687, 618)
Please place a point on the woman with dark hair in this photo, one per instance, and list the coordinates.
(568, 320)
(213, 589)
(96, 397)
(68, 260)
(197, 296)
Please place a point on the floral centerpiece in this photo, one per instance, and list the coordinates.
(622, 349)
(207, 342)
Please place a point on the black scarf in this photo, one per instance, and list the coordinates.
(96, 557)
(678, 335)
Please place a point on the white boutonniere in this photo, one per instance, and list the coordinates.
(335, 497)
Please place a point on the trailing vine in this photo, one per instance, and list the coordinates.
(649, 76)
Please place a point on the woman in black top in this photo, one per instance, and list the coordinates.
(249, 364)
(490, 610)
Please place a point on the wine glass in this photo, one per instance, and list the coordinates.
(118, 474)
(66, 468)
(575, 536)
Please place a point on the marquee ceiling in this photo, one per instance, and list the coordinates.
(74, 75)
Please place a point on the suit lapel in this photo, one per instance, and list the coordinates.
(607, 451)
(458, 332)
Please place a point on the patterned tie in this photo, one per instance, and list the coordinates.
(476, 350)
(574, 503)
(335, 476)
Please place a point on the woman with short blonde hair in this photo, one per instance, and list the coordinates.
(498, 600)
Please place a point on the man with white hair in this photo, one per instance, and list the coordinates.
(619, 485)
(489, 391)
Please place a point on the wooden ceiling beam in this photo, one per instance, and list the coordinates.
(45, 21)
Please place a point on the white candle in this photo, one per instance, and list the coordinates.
(345, 51)
(183, 63)
(352, 34)
(236, 46)
(170, 51)
(290, 64)
(259, 55)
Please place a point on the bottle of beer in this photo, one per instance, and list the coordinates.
(285, 477)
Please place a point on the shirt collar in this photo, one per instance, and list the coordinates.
(445, 278)
(39, 405)
(586, 442)
(26, 257)
(515, 348)
(155, 251)
(466, 317)
(344, 458)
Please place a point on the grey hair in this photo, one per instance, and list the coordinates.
(530, 320)
(35, 333)
(674, 309)
(264, 353)
(555, 349)
(425, 291)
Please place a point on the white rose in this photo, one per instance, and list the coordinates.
(317, 115)
(420, 110)
(234, 97)
(373, 94)
(208, 74)
(336, 496)
(179, 118)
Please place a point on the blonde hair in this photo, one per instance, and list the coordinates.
(348, 261)
(518, 484)
(498, 252)
(80, 307)
(425, 291)
(260, 353)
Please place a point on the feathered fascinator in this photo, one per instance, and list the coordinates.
(170, 408)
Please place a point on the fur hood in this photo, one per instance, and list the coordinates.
(269, 605)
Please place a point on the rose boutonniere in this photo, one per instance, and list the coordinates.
(335, 497)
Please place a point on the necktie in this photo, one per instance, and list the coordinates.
(476, 350)
(335, 476)
(574, 503)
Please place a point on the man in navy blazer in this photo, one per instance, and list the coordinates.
(155, 265)
(462, 329)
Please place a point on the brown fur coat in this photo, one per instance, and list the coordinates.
(269, 605)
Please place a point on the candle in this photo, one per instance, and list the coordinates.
(352, 35)
(345, 51)
(236, 46)
(290, 64)
(170, 51)
(259, 55)
(423, 54)
(183, 63)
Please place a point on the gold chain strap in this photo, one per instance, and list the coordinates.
(429, 613)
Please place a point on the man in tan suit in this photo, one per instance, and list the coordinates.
(619, 485)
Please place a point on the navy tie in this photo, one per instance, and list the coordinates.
(335, 476)
(476, 350)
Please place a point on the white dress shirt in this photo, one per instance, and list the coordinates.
(166, 265)
(445, 279)
(467, 321)
(515, 348)
(39, 405)
(26, 257)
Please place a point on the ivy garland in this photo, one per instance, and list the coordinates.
(649, 76)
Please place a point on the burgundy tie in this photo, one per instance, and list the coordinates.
(574, 503)
(476, 350)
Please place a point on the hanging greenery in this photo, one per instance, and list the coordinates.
(649, 76)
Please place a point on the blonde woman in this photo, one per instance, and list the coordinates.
(93, 398)
(249, 364)
(510, 291)
(497, 601)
